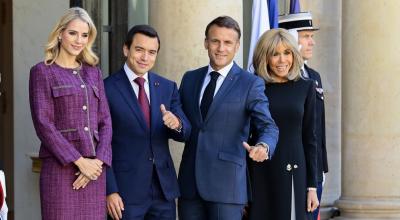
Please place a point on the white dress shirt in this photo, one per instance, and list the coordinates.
(304, 72)
(132, 76)
(223, 73)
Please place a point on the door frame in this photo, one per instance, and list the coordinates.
(6, 101)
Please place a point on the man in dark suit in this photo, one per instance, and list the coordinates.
(221, 100)
(300, 25)
(146, 112)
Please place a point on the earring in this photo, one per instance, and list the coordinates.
(59, 38)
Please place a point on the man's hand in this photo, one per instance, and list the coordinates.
(258, 153)
(170, 120)
(115, 206)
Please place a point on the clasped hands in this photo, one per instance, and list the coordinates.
(258, 153)
(170, 120)
(89, 169)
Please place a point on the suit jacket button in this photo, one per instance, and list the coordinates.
(288, 167)
(295, 166)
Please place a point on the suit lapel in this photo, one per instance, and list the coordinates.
(309, 71)
(312, 75)
(125, 88)
(155, 102)
(226, 86)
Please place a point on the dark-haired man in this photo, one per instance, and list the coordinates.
(220, 100)
(146, 112)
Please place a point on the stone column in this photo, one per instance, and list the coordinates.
(181, 25)
(370, 108)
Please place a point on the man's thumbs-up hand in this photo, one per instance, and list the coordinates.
(170, 120)
(258, 153)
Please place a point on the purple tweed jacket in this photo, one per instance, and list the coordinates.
(70, 113)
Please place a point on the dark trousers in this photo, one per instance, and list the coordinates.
(155, 208)
(319, 194)
(199, 209)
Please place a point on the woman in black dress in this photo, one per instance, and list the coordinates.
(284, 187)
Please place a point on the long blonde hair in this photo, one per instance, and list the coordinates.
(266, 47)
(52, 48)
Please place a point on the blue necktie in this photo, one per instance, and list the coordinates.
(208, 94)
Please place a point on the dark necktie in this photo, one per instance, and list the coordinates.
(143, 101)
(208, 94)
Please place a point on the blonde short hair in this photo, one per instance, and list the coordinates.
(52, 48)
(265, 49)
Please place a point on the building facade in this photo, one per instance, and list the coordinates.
(353, 49)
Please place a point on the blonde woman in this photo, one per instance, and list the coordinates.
(284, 187)
(72, 120)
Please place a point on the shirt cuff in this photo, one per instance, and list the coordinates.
(179, 129)
(311, 189)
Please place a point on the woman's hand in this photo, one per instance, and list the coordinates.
(91, 168)
(80, 182)
(98, 162)
(312, 200)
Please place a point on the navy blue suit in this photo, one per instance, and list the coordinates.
(322, 164)
(214, 161)
(140, 153)
(322, 157)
